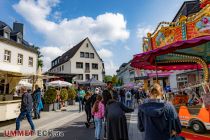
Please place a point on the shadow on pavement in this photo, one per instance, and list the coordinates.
(75, 131)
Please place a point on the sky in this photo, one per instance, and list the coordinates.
(115, 27)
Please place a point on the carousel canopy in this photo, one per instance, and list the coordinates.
(159, 58)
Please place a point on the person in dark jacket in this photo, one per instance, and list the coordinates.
(87, 102)
(156, 118)
(26, 108)
(116, 120)
(107, 95)
(36, 102)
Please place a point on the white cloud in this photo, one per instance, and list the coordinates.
(104, 53)
(49, 54)
(110, 67)
(127, 48)
(104, 29)
(143, 30)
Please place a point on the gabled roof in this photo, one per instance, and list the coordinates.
(69, 54)
(188, 8)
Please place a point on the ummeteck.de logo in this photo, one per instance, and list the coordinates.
(39, 133)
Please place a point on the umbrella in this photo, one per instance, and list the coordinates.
(59, 83)
(24, 83)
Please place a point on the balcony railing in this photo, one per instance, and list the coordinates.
(87, 70)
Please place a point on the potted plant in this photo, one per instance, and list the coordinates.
(64, 96)
(71, 96)
(49, 99)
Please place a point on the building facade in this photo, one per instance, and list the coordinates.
(16, 54)
(80, 63)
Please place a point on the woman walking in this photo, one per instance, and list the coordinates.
(87, 102)
(116, 120)
(98, 113)
(156, 118)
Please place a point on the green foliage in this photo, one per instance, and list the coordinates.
(64, 94)
(114, 80)
(107, 78)
(40, 63)
(72, 93)
(50, 96)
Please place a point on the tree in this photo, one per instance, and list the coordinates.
(114, 80)
(107, 78)
(40, 61)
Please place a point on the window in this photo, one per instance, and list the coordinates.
(7, 56)
(86, 55)
(87, 76)
(80, 76)
(91, 55)
(6, 35)
(94, 66)
(62, 67)
(79, 65)
(20, 59)
(95, 76)
(19, 40)
(30, 61)
(82, 54)
(87, 45)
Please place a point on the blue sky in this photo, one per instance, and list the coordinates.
(115, 27)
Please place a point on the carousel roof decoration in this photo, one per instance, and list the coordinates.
(180, 45)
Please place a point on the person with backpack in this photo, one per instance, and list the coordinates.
(128, 98)
(98, 113)
(156, 118)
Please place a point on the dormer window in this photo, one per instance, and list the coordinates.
(19, 39)
(7, 35)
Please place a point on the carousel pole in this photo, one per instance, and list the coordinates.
(156, 71)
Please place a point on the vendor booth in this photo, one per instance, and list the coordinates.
(182, 45)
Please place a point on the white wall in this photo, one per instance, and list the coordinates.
(96, 59)
(13, 65)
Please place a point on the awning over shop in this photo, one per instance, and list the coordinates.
(199, 47)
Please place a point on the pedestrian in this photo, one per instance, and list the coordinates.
(93, 100)
(158, 119)
(116, 120)
(137, 97)
(87, 102)
(98, 113)
(36, 102)
(128, 98)
(81, 94)
(26, 108)
(122, 96)
(107, 95)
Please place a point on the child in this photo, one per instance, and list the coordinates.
(98, 113)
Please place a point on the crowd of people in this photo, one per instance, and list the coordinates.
(157, 118)
(105, 109)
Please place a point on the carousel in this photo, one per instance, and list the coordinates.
(183, 45)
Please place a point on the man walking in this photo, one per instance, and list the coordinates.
(25, 110)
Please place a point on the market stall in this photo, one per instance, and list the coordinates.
(182, 45)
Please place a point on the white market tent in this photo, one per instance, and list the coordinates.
(58, 83)
(24, 83)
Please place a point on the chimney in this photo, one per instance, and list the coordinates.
(18, 27)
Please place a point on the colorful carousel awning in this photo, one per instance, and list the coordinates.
(163, 58)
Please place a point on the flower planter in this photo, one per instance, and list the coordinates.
(48, 107)
(71, 102)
